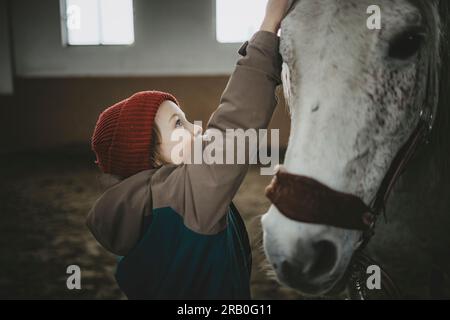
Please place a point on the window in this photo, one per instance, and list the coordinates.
(238, 20)
(98, 22)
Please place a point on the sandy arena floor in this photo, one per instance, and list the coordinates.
(44, 199)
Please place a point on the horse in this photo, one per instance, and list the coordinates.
(364, 104)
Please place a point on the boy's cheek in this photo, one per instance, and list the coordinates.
(178, 152)
(175, 153)
(188, 146)
(165, 153)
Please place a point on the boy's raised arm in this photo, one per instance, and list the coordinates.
(202, 193)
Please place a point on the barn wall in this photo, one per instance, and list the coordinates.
(51, 112)
(59, 91)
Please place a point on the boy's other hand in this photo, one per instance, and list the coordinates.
(275, 12)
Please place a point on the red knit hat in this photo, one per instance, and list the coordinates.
(123, 133)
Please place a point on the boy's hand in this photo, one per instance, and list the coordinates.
(275, 12)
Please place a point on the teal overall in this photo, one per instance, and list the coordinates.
(174, 262)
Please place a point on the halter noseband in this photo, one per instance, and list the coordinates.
(304, 199)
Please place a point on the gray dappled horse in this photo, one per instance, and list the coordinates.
(356, 96)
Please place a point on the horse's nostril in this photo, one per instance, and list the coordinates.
(321, 261)
(325, 258)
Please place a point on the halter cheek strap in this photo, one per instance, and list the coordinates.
(403, 157)
(304, 199)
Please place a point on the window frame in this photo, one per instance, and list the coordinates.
(65, 31)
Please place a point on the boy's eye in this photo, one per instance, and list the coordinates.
(178, 123)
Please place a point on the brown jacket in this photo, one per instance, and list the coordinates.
(199, 193)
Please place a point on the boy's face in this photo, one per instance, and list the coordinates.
(175, 129)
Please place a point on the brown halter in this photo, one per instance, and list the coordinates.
(304, 199)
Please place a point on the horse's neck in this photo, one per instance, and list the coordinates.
(425, 186)
(418, 217)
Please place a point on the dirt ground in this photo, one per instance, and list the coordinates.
(44, 199)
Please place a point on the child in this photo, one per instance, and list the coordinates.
(174, 224)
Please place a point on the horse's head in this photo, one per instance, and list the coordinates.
(355, 96)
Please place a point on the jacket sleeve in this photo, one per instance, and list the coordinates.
(117, 218)
(202, 193)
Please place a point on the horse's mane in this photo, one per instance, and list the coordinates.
(438, 92)
(440, 138)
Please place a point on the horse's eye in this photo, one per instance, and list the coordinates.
(406, 44)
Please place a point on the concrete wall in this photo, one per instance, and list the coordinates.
(60, 91)
(52, 112)
(172, 37)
